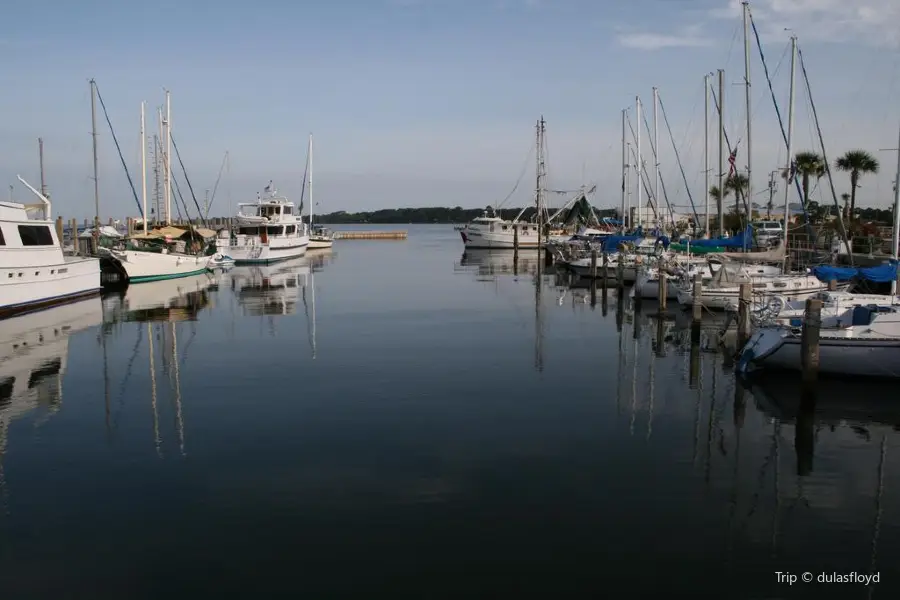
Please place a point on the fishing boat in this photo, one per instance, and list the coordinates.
(34, 273)
(269, 230)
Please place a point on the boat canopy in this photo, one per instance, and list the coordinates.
(742, 240)
(880, 274)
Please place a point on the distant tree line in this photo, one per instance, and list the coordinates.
(429, 214)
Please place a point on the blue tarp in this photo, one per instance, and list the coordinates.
(881, 274)
(737, 241)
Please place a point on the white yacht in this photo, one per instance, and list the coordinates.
(270, 290)
(34, 274)
(268, 230)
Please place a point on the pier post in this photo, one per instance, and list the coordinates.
(832, 285)
(620, 275)
(697, 301)
(663, 292)
(73, 229)
(606, 269)
(593, 277)
(809, 341)
(515, 244)
(59, 231)
(743, 333)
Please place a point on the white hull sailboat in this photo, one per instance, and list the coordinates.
(34, 274)
(320, 238)
(155, 255)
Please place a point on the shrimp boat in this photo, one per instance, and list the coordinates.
(269, 230)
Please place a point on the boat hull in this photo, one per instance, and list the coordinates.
(141, 267)
(495, 240)
(29, 289)
(725, 298)
(256, 254)
(315, 244)
(777, 348)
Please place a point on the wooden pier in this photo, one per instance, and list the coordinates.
(370, 235)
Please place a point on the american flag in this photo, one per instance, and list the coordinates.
(793, 172)
(731, 160)
(268, 188)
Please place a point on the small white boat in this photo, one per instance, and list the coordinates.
(862, 341)
(220, 260)
(319, 237)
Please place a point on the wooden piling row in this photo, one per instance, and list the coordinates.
(809, 341)
(370, 235)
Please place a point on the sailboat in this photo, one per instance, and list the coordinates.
(859, 335)
(169, 252)
(319, 237)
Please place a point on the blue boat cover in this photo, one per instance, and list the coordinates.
(881, 274)
(611, 243)
(737, 241)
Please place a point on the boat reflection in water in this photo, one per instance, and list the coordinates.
(487, 263)
(34, 349)
(166, 300)
(269, 290)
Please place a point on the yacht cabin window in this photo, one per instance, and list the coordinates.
(35, 235)
(248, 231)
(274, 230)
(290, 229)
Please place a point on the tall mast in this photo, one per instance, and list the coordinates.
(168, 158)
(162, 165)
(790, 142)
(156, 191)
(637, 103)
(749, 191)
(721, 199)
(539, 179)
(309, 159)
(41, 158)
(628, 186)
(624, 166)
(659, 220)
(143, 167)
(895, 238)
(706, 148)
(96, 179)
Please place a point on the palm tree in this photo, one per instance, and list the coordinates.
(737, 183)
(808, 165)
(846, 198)
(857, 163)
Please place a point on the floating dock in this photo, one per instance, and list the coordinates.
(370, 235)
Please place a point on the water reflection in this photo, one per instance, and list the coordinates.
(34, 351)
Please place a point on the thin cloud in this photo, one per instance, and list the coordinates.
(869, 22)
(689, 37)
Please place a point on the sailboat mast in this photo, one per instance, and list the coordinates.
(168, 158)
(143, 167)
(96, 178)
(706, 150)
(41, 158)
(539, 179)
(895, 238)
(749, 190)
(624, 165)
(721, 200)
(309, 163)
(790, 142)
(659, 219)
(637, 104)
(161, 162)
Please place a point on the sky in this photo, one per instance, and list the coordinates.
(431, 102)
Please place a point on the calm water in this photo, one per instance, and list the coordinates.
(391, 419)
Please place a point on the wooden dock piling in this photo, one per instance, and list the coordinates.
(620, 275)
(809, 341)
(59, 231)
(832, 285)
(697, 301)
(663, 292)
(605, 269)
(593, 278)
(743, 333)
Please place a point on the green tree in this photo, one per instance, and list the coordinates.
(808, 165)
(857, 163)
